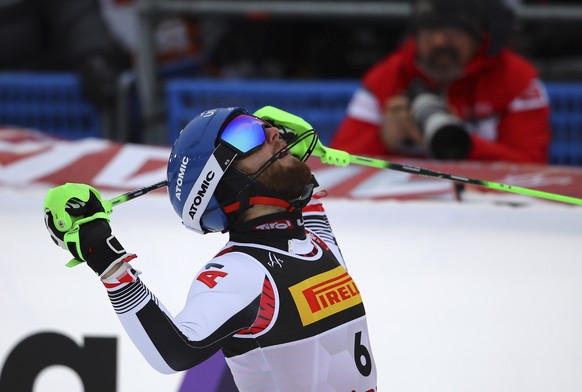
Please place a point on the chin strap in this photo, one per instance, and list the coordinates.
(273, 200)
(256, 200)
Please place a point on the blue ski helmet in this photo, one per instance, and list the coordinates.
(195, 167)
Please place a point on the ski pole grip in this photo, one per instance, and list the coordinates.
(335, 157)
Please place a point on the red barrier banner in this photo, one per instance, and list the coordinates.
(29, 157)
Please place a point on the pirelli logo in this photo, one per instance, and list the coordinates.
(324, 295)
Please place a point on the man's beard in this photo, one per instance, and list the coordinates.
(444, 72)
(287, 181)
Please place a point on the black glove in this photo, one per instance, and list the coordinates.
(76, 220)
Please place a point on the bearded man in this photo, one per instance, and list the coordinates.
(452, 90)
(276, 299)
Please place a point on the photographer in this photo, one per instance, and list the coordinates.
(451, 91)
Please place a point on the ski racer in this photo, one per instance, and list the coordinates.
(276, 299)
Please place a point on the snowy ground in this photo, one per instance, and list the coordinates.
(460, 297)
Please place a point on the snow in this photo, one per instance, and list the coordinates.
(469, 296)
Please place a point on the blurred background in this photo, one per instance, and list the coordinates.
(137, 70)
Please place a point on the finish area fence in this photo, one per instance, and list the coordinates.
(54, 104)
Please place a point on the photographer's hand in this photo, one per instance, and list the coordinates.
(397, 127)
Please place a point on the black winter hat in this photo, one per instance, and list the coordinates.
(467, 14)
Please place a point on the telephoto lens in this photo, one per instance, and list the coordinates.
(444, 134)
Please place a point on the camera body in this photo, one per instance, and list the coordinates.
(444, 134)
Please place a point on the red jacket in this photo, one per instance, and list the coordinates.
(500, 99)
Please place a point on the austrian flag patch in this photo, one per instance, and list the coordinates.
(324, 295)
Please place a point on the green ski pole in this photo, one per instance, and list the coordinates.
(331, 156)
(335, 157)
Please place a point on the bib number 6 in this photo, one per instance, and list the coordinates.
(362, 356)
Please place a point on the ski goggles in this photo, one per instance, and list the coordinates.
(244, 134)
(239, 137)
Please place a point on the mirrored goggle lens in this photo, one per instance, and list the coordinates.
(244, 133)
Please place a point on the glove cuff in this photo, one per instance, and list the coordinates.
(102, 255)
(93, 242)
